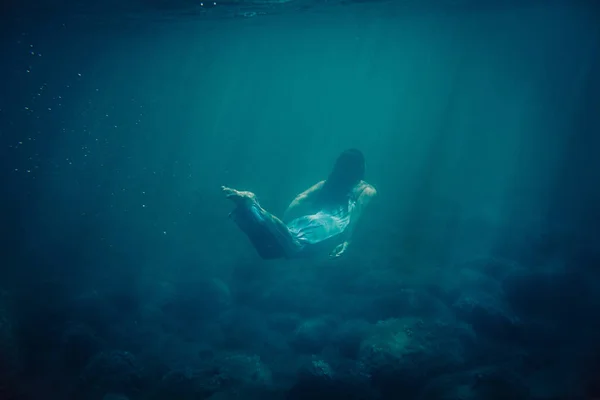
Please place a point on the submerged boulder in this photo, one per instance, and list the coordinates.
(322, 379)
(245, 370)
(402, 355)
(189, 384)
(313, 335)
(489, 316)
(111, 372)
(489, 382)
(224, 373)
(349, 336)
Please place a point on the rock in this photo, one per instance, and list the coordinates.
(231, 372)
(499, 384)
(245, 328)
(112, 372)
(402, 355)
(316, 370)
(349, 337)
(458, 386)
(190, 384)
(494, 383)
(244, 370)
(488, 316)
(319, 379)
(313, 335)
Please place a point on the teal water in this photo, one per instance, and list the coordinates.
(119, 130)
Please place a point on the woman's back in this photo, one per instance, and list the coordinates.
(326, 220)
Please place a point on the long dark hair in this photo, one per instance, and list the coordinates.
(349, 169)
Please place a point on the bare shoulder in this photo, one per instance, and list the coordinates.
(314, 188)
(367, 190)
(310, 191)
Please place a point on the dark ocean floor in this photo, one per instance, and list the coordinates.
(487, 328)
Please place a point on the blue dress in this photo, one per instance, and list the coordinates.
(302, 237)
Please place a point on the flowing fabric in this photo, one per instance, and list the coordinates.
(303, 236)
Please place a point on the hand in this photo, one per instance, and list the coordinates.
(339, 250)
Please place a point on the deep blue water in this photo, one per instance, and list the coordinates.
(473, 275)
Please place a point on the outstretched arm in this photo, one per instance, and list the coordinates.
(296, 206)
(368, 194)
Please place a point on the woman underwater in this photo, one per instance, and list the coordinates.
(320, 219)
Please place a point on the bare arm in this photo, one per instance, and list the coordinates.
(368, 194)
(301, 200)
(363, 200)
